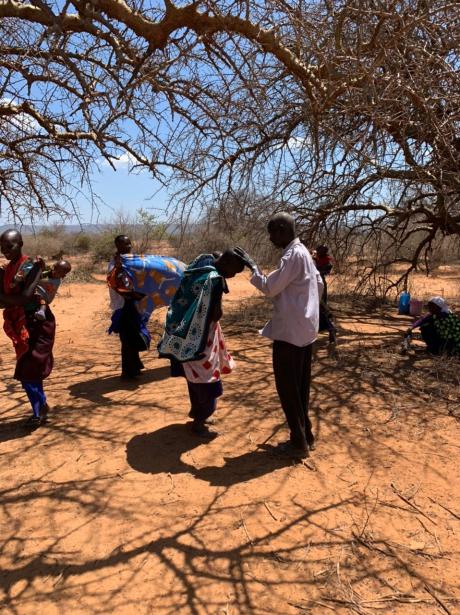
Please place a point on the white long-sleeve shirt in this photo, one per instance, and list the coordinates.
(295, 288)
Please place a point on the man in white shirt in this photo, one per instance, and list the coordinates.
(295, 288)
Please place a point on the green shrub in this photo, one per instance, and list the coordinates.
(102, 246)
(81, 273)
(82, 243)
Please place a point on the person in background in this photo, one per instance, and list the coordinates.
(295, 288)
(32, 338)
(126, 320)
(323, 263)
(193, 338)
(440, 329)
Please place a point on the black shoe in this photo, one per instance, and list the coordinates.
(287, 449)
(34, 422)
(202, 430)
(44, 412)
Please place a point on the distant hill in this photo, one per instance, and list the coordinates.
(27, 229)
(89, 229)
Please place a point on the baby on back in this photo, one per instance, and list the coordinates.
(46, 289)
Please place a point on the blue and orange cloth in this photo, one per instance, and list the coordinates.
(156, 277)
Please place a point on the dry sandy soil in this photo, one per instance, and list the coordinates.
(116, 508)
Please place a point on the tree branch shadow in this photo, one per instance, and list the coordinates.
(96, 389)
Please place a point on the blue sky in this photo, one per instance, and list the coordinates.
(123, 191)
(118, 191)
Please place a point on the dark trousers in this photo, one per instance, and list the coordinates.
(292, 369)
(36, 395)
(203, 395)
(431, 338)
(324, 295)
(131, 363)
(203, 399)
(131, 342)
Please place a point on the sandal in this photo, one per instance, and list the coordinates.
(33, 422)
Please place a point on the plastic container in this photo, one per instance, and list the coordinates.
(415, 307)
(404, 303)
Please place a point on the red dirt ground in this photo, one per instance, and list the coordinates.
(116, 508)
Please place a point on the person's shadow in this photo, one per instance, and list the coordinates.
(95, 389)
(160, 452)
(243, 468)
(14, 430)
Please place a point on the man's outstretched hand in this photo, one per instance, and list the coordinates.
(247, 260)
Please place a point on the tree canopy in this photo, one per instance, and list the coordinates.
(346, 112)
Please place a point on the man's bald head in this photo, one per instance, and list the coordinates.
(283, 219)
(11, 244)
(281, 228)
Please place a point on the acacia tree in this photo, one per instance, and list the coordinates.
(344, 111)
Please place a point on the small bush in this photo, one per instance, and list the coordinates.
(102, 246)
(44, 246)
(141, 227)
(82, 243)
(188, 247)
(208, 239)
(82, 273)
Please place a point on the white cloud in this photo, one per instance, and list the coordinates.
(21, 121)
(122, 162)
(298, 142)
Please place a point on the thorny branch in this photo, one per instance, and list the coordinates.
(343, 111)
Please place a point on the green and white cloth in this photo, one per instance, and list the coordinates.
(189, 315)
(448, 329)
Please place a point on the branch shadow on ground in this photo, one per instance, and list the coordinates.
(189, 555)
(364, 396)
(96, 389)
(209, 556)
